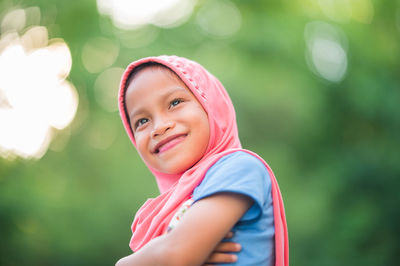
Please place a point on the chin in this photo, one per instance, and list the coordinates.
(177, 169)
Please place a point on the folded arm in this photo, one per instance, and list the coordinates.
(203, 226)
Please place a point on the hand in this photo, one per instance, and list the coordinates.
(220, 253)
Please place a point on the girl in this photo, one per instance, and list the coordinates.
(182, 122)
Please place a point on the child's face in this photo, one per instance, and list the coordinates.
(170, 126)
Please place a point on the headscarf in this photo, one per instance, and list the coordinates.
(154, 216)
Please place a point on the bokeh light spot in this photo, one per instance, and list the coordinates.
(106, 88)
(329, 59)
(14, 20)
(133, 14)
(98, 54)
(32, 15)
(34, 38)
(35, 97)
(138, 38)
(326, 51)
(220, 18)
(363, 11)
(344, 10)
(337, 10)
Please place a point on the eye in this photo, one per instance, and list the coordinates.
(175, 102)
(141, 122)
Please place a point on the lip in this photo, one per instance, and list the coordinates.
(168, 143)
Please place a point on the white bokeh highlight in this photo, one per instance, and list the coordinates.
(326, 51)
(35, 97)
(133, 14)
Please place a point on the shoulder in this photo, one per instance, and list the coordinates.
(237, 172)
(238, 161)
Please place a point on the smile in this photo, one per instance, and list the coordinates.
(169, 143)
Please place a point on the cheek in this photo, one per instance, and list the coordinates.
(141, 143)
(204, 130)
(206, 135)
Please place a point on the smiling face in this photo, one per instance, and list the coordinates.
(170, 126)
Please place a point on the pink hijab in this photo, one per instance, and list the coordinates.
(154, 216)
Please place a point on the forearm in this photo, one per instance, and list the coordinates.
(206, 222)
(156, 252)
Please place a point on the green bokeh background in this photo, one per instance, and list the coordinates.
(334, 146)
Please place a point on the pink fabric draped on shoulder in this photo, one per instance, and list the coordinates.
(153, 217)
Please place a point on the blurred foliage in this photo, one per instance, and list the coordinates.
(334, 146)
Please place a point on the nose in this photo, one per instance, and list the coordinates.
(161, 126)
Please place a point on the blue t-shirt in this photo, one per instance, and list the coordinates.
(242, 173)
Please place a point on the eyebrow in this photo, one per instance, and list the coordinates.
(165, 95)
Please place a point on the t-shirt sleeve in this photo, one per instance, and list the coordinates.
(241, 173)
